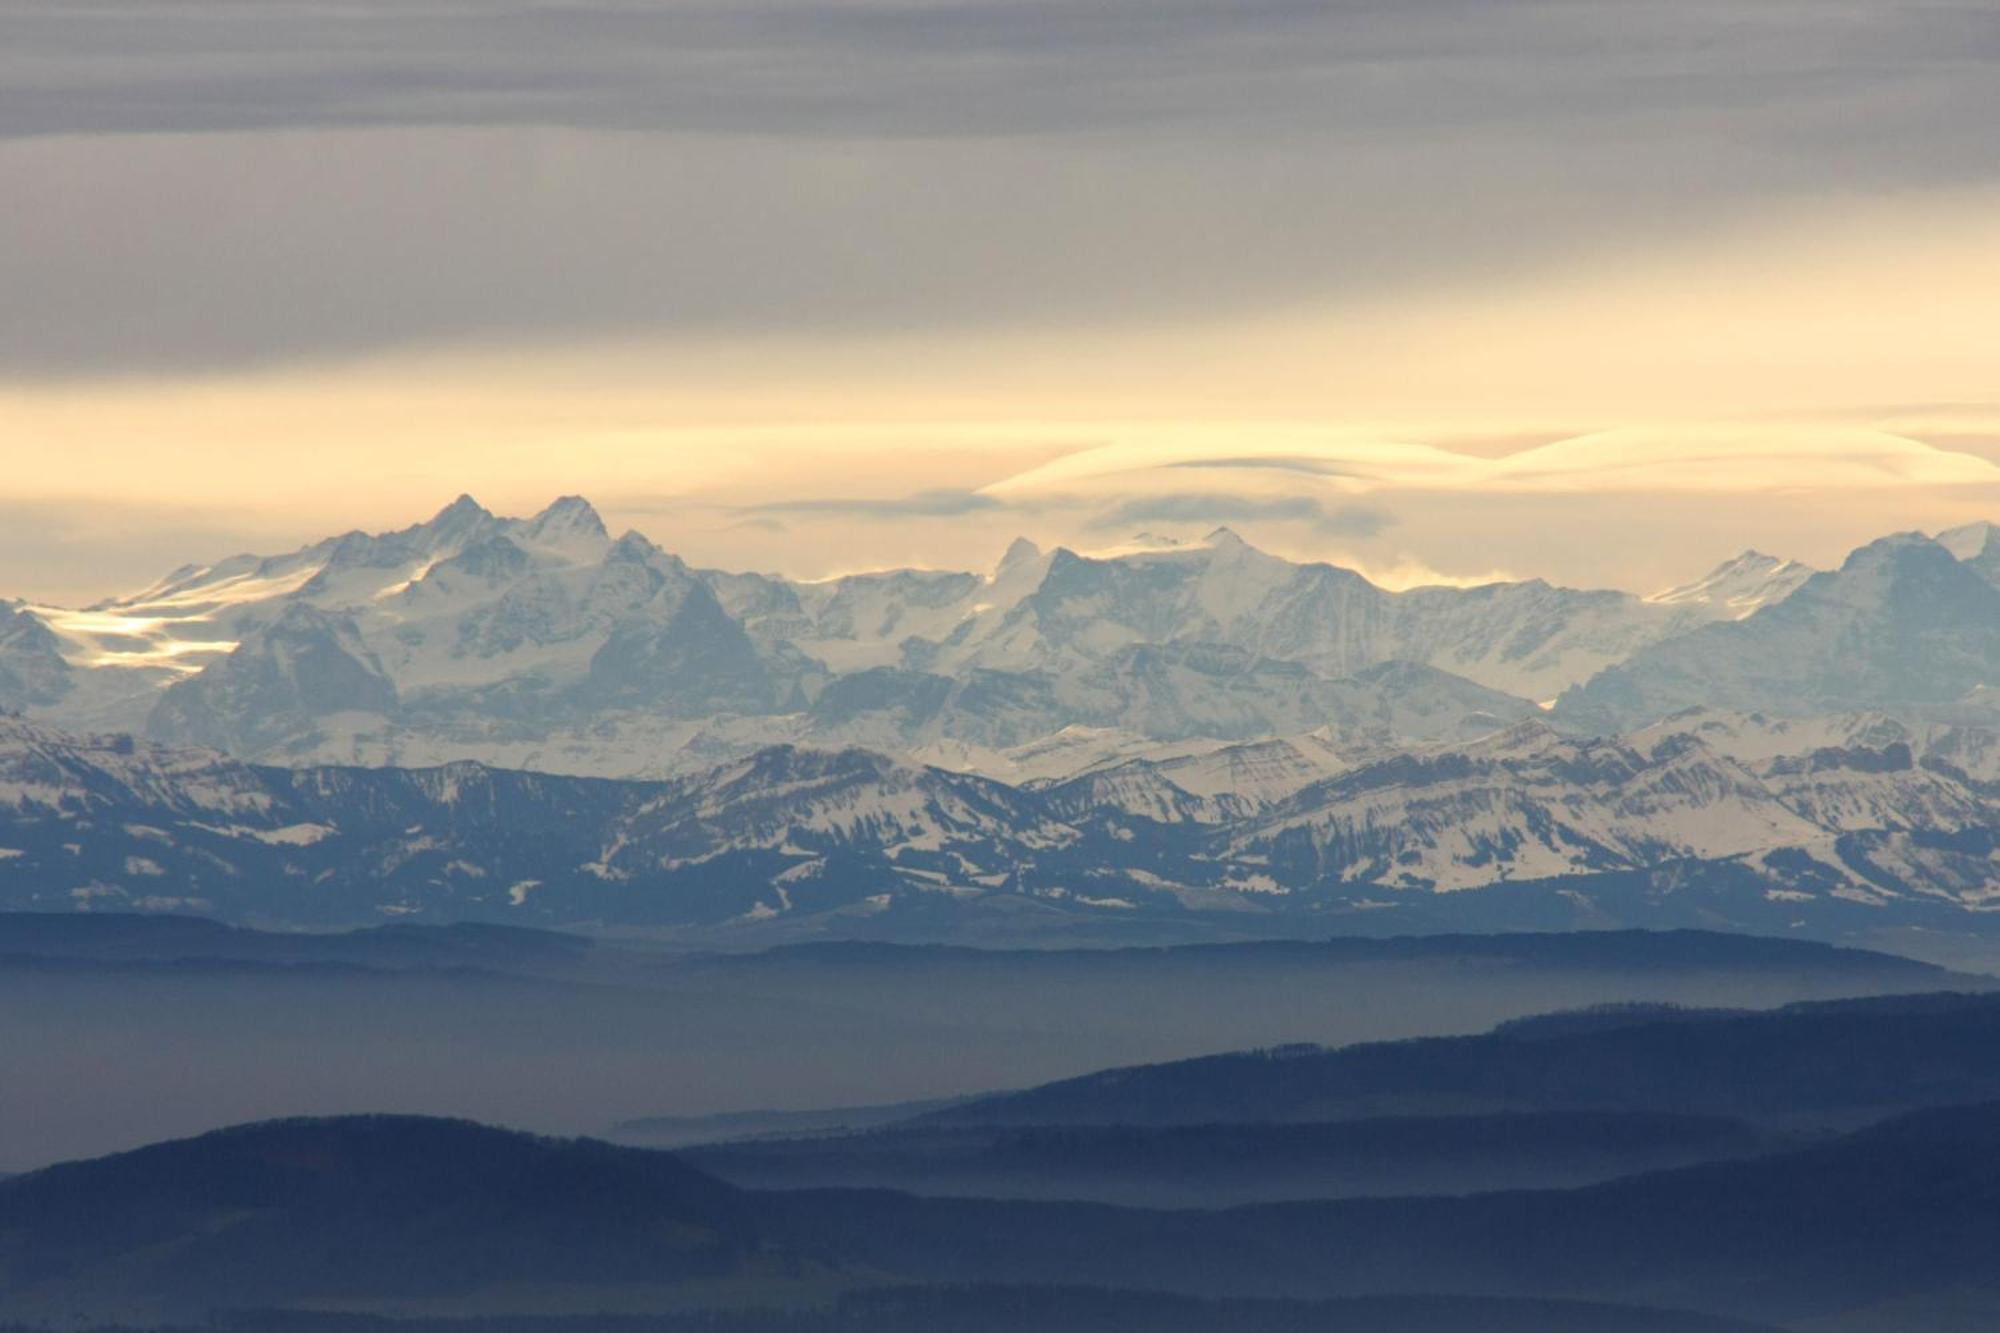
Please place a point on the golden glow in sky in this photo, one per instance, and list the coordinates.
(1442, 292)
(1848, 365)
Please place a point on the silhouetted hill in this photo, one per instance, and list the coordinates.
(1908, 1208)
(1821, 1062)
(139, 937)
(1614, 950)
(360, 1214)
(1002, 1309)
(1005, 1309)
(371, 1206)
(130, 937)
(1209, 1166)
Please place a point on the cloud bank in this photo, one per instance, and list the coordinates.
(201, 185)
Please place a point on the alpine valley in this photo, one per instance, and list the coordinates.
(528, 720)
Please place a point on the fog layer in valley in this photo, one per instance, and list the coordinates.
(105, 1053)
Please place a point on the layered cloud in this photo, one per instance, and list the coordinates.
(1211, 507)
(1740, 459)
(982, 67)
(209, 184)
(1721, 459)
(923, 504)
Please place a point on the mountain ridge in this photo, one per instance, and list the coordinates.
(1887, 1214)
(545, 642)
(323, 1221)
(1527, 826)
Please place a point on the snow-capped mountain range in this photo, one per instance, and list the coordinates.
(529, 719)
(1718, 818)
(546, 643)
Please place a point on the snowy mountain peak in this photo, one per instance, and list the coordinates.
(1895, 569)
(1967, 542)
(32, 669)
(1740, 586)
(464, 509)
(1977, 547)
(1897, 547)
(541, 642)
(459, 521)
(1226, 539)
(632, 548)
(1900, 623)
(568, 516)
(1019, 552)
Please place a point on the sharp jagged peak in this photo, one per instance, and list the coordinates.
(1748, 560)
(463, 510)
(1967, 541)
(1751, 558)
(1226, 539)
(1889, 548)
(444, 532)
(1019, 552)
(1742, 584)
(567, 515)
(632, 545)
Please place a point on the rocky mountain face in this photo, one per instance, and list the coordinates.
(1663, 825)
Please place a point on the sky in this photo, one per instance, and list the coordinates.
(1596, 290)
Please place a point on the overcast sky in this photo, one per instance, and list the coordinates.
(805, 284)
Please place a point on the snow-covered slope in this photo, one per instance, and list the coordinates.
(795, 840)
(1739, 587)
(102, 823)
(1977, 546)
(1901, 623)
(49, 775)
(1527, 639)
(1528, 803)
(1964, 738)
(465, 635)
(1257, 774)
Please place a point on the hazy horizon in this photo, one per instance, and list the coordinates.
(808, 288)
(1402, 514)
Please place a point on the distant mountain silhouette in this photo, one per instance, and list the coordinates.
(146, 938)
(1193, 1166)
(140, 937)
(360, 1211)
(1893, 1214)
(1826, 1062)
(1013, 1309)
(371, 1206)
